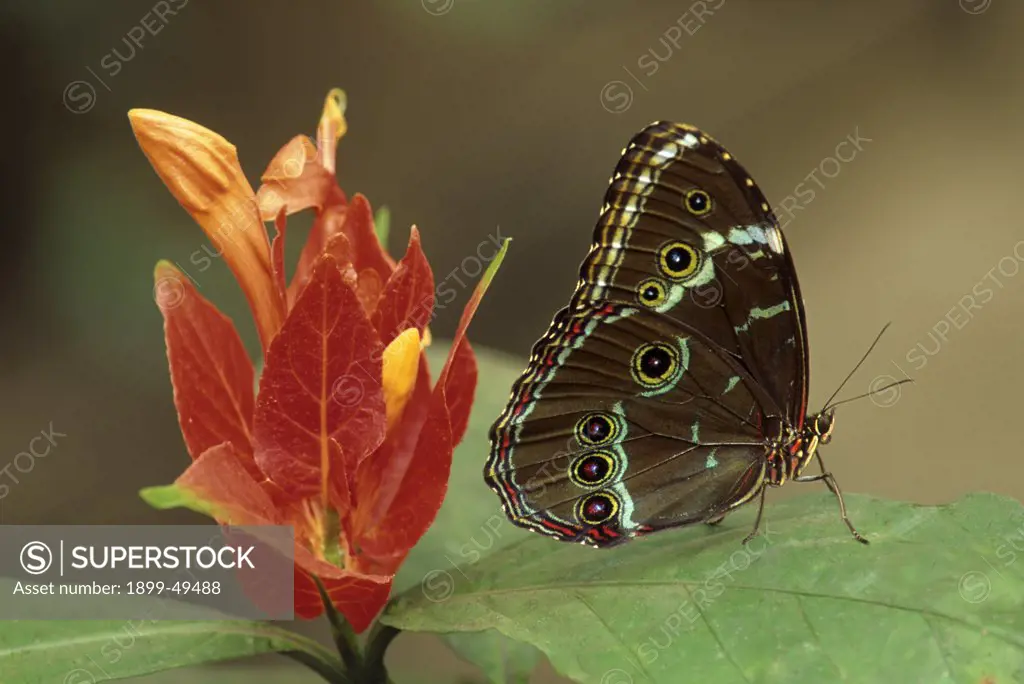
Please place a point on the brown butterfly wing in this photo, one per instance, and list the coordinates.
(687, 259)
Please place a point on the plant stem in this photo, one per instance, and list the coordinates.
(364, 665)
(377, 644)
(325, 670)
(344, 638)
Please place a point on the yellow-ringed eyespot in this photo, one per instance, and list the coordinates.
(698, 202)
(593, 469)
(654, 364)
(678, 260)
(595, 429)
(651, 292)
(597, 508)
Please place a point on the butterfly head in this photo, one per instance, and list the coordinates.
(822, 425)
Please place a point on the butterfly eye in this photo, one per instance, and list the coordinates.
(593, 469)
(651, 293)
(597, 508)
(678, 260)
(595, 429)
(823, 425)
(698, 202)
(654, 365)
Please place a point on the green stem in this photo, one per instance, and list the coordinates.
(364, 665)
(377, 644)
(344, 638)
(326, 670)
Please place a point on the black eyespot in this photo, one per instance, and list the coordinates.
(655, 365)
(678, 260)
(598, 428)
(655, 362)
(597, 508)
(595, 429)
(651, 292)
(698, 202)
(593, 469)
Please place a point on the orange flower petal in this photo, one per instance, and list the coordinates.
(211, 373)
(295, 180)
(367, 251)
(460, 388)
(321, 386)
(277, 253)
(407, 300)
(368, 289)
(332, 127)
(221, 479)
(218, 478)
(410, 488)
(400, 364)
(301, 176)
(457, 381)
(357, 596)
(379, 474)
(201, 170)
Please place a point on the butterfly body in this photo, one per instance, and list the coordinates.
(673, 387)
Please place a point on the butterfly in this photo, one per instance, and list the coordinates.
(673, 387)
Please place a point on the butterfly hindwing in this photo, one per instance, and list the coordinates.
(622, 404)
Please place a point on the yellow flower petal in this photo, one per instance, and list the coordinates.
(201, 170)
(332, 127)
(401, 365)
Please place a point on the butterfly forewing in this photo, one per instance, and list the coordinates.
(738, 287)
(645, 405)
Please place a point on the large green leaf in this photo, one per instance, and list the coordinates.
(502, 660)
(80, 652)
(471, 524)
(938, 596)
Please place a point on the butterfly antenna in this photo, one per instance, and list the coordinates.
(829, 404)
(872, 392)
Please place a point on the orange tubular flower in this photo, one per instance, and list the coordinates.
(346, 440)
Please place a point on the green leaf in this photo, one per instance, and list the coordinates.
(382, 224)
(503, 660)
(938, 596)
(76, 652)
(164, 497)
(471, 524)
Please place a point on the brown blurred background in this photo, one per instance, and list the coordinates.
(469, 117)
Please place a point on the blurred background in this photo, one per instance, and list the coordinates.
(475, 120)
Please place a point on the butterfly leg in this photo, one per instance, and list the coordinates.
(757, 520)
(830, 482)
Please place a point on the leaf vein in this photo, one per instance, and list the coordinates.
(616, 638)
(938, 645)
(817, 637)
(714, 634)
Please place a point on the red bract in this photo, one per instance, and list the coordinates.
(346, 440)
